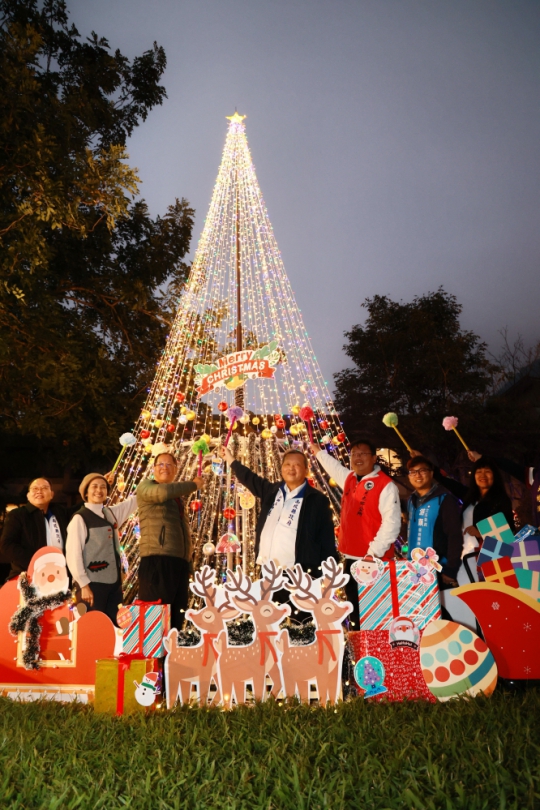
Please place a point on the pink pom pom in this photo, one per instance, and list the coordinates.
(450, 422)
(306, 413)
(235, 412)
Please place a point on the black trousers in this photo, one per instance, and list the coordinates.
(165, 578)
(107, 598)
(351, 590)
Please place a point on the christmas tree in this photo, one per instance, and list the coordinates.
(239, 340)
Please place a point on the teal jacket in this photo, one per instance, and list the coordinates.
(164, 530)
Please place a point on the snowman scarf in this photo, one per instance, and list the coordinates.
(26, 618)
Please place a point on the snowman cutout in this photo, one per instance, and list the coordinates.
(366, 570)
(149, 688)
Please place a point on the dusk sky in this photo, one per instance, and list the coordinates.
(396, 143)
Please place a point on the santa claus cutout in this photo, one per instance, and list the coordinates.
(45, 617)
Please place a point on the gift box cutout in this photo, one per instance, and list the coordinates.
(493, 549)
(394, 594)
(116, 692)
(529, 582)
(145, 625)
(501, 571)
(526, 554)
(496, 526)
(527, 531)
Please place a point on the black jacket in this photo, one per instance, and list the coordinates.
(447, 534)
(315, 538)
(24, 533)
(489, 505)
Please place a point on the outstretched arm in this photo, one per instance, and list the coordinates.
(256, 484)
(331, 465)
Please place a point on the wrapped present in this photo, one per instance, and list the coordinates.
(501, 571)
(526, 554)
(145, 624)
(493, 549)
(125, 685)
(496, 526)
(529, 581)
(527, 531)
(397, 592)
(403, 679)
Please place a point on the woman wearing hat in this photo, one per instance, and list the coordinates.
(93, 545)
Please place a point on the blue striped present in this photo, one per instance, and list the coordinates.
(493, 549)
(395, 593)
(148, 624)
(496, 526)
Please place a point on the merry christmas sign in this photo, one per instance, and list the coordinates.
(234, 369)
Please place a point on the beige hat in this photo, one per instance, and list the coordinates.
(87, 480)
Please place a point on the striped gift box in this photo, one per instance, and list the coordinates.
(526, 554)
(501, 571)
(493, 549)
(394, 594)
(148, 624)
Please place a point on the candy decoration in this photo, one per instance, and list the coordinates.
(228, 544)
(170, 428)
(451, 423)
(229, 513)
(145, 434)
(307, 415)
(247, 500)
(222, 406)
(323, 424)
(233, 413)
(195, 506)
(340, 437)
(391, 420)
(126, 440)
(208, 549)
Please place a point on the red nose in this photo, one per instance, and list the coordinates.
(51, 578)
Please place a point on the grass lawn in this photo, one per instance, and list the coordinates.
(484, 753)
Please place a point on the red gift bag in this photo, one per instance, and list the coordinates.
(403, 679)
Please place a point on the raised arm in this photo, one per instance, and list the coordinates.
(149, 492)
(256, 484)
(124, 509)
(331, 465)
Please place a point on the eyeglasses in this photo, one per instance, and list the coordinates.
(35, 490)
(421, 471)
(164, 466)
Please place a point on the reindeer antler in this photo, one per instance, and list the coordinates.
(301, 583)
(204, 585)
(240, 584)
(334, 577)
(272, 579)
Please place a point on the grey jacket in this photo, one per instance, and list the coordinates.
(163, 530)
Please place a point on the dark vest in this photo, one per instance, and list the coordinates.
(100, 553)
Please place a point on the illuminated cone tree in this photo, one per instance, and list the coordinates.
(238, 340)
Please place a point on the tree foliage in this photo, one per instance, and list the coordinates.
(415, 359)
(88, 279)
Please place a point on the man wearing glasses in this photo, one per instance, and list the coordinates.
(370, 509)
(165, 542)
(434, 520)
(37, 524)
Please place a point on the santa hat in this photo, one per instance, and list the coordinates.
(150, 680)
(43, 557)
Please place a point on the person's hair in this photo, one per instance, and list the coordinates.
(165, 453)
(39, 478)
(369, 442)
(294, 452)
(414, 462)
(497, 490)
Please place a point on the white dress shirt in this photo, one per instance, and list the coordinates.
(278, 536)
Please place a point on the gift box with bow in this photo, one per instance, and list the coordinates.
(496, 526)
(501, 571)
(144, 625)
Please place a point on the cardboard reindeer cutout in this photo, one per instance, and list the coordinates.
(197, 665)
(269, 656)
(321, 661)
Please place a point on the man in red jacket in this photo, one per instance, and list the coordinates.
(370, 509)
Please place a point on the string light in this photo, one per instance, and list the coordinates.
(237, 231)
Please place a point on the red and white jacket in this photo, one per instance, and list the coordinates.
(370, 509)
